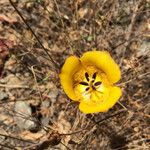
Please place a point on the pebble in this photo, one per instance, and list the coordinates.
(3, 95)
(2, 81)
(45, 104)
(23, 116)
(144, 48)
(53, 94)
(2, 132)
(45, 121)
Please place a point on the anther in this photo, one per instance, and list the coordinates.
(84, 83)
(97, 83)
(87, 88)
(93, 87)
(87, 76)
(94, 76)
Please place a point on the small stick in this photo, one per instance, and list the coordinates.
(14, 86)
(106, 118)
(32, 70)
(122, 105)
(13, 137)
(141, 75)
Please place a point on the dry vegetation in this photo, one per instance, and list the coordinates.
(29, 76)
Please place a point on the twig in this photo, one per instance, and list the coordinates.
(10, 147)
(59, 14)
(74, 132)
(13, 137)
(106, 118)
(14, 86)
(141, 75)
(65, 145)
(122, 105)
(32, 70)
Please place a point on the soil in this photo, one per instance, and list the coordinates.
(36, 36)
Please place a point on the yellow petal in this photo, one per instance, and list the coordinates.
(103, 61)
(114, 95)
(71, 65)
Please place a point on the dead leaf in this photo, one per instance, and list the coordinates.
(4, 52)
(31, 136)
(82, 12)
(9, 19)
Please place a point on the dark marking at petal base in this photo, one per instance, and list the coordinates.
(84, 83)
(94, 76)
(97, 83)
(87, 76)
(87, 88)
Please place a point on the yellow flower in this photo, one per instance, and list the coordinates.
(89, 80)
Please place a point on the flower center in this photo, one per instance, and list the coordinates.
(90, 82)
(90, 85)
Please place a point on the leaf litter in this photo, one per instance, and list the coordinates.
(65, 28)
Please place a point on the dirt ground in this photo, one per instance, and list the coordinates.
(36, 36)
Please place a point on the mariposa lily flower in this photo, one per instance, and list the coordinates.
(90, 81)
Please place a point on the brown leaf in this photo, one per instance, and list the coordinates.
(7, 18)
(4, 52)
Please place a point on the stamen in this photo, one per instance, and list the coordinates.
(87, 76)
(94, 76)
(84, 83)
(92, 81)
(87, 88)
(93, 87)
(97, 83)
